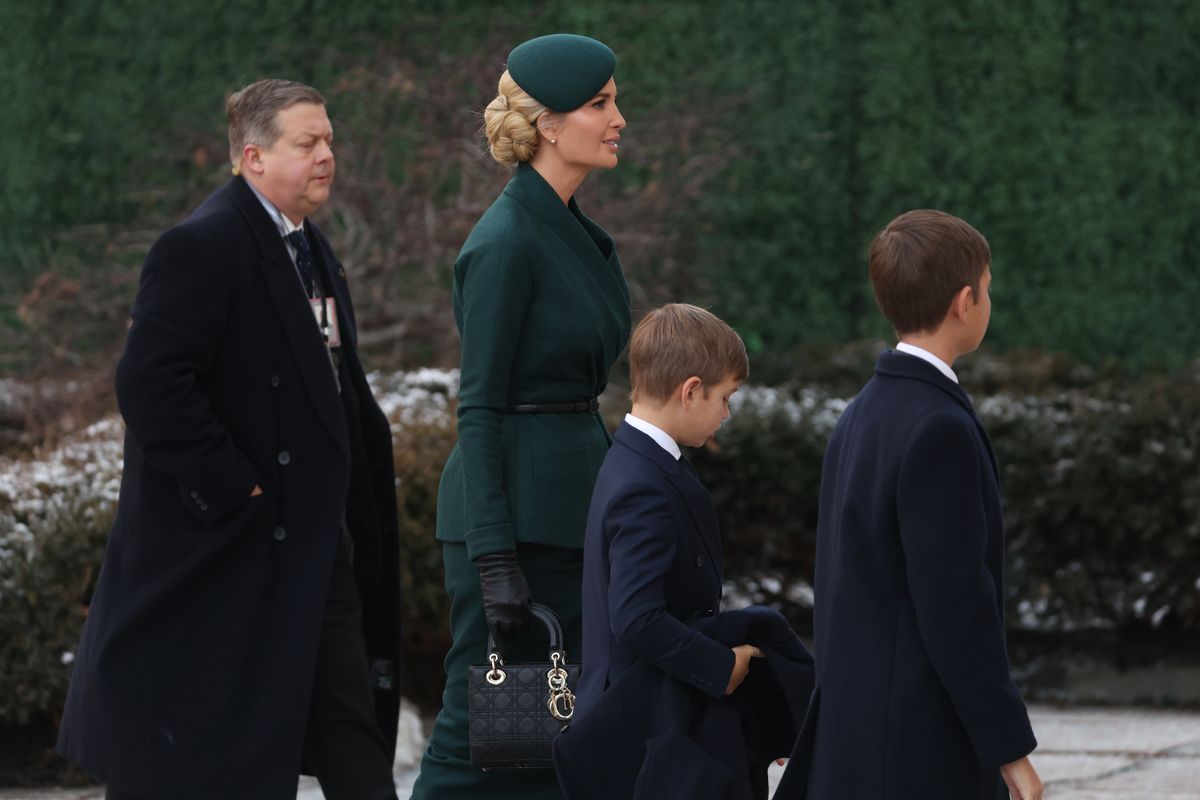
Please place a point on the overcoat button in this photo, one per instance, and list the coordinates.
(284, 457)
(204, 506)
(274, 381)
(280, 534)
(194, 494)
(699, 561)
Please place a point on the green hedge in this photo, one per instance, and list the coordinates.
(1101, 488)
(767, 141)
(1101, 481)
(55, 512)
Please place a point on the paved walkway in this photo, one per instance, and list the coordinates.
(1083, 754)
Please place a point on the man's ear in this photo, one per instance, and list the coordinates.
(251, 160)
(688, 389)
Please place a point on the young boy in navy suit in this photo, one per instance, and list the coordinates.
(914, 695)
(652, 556)
(653, 716)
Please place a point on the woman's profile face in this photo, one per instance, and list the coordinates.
(590, 135)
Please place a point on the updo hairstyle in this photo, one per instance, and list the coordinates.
(510, 123)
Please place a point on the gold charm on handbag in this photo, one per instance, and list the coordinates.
(562, 701)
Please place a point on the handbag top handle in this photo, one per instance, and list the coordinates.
(553, 628)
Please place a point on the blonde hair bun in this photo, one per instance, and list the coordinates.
(510, 123)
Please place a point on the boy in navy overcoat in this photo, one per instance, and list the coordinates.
(653, 717)
(914, 696)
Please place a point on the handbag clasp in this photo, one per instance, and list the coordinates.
(495, 676)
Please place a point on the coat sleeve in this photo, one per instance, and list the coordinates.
(495, 289)
(943, 530)
(177, 328)
(641, 530)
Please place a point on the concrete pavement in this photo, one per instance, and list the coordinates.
(1083, 754)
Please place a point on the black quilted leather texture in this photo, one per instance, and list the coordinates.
(511, 725)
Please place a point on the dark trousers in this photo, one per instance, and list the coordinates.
(343, 746)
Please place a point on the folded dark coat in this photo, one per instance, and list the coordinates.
(650, 735)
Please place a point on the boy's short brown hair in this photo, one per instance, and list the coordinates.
(677, 341)
(919, 262)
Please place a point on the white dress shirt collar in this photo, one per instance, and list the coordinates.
(280, 219)
(660, 437)
(925, 355)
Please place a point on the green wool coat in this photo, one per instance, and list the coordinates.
(542, 308)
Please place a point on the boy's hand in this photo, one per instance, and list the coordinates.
(1022, 780)
(741, 665)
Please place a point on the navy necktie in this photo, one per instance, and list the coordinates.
(304, 259)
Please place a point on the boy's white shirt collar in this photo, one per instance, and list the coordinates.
(660, 437)
(925, 355)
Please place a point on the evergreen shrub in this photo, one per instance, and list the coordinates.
(1101, 483)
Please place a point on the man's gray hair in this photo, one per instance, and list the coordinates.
(253, 111)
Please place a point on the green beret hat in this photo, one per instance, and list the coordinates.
(562, 71)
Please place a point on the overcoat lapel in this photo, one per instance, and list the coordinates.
(902, 365)
(336, 284)
(294, 312)
(695, 497)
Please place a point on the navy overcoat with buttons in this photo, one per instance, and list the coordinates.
(652, 563)
(200, 643)
(914, 694)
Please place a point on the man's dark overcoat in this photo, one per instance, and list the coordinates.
(195, 668)
(914, 695)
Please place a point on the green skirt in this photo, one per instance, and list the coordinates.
(555, 575)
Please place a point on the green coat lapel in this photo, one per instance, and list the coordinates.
(587, 240)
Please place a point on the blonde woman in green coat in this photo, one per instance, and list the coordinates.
(542, 308)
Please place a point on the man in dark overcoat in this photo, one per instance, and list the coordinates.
(246, 617)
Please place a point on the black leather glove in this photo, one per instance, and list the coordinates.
(505, 593)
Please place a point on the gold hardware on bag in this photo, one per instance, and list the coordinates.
(495, 676)
(560, 693)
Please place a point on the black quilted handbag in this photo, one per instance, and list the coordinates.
(517, 709)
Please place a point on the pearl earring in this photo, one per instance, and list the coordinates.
(554, 141)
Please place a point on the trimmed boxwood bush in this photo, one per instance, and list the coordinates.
(1102, 488)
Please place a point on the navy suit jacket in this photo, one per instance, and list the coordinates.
(651, 563)
(914, 695)
(651, 717)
